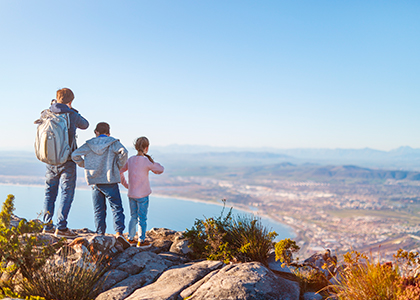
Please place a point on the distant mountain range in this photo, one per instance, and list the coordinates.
(328, 173)
(294, 164)
(304, 172)
(403, 158)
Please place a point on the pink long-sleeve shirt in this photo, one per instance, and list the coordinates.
(138, 175)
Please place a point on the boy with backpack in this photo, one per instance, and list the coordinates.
(53, 146)
(102, 157)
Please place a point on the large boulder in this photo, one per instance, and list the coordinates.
(245, 281)
(149, 264)
(171, 283)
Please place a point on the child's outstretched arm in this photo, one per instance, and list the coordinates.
(156, 168)
(122, 177)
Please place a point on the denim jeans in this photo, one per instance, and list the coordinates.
(138, 211)
(63, 176)
(101, 192)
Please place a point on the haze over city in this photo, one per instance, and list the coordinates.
(247, 74)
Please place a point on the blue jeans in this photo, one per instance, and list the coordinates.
(101, 192)
(138, 211)
(63, 176)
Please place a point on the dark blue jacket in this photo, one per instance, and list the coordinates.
(76, 121)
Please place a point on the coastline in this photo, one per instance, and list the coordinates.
(243, 208)
(258, 213)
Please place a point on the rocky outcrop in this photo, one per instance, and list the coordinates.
(164, 271)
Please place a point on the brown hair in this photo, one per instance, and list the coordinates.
(65, 96)
(102, 128)
(141, 144)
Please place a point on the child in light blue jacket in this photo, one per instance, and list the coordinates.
(103, 157)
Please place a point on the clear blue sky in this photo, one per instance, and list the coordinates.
(284, 74)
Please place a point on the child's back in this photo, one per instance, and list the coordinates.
(103, 158)
(139, 189)
(138, 175)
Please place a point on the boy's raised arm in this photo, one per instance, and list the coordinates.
(77, 154)
(122, 154)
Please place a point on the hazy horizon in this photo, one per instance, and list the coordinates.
(208, 148)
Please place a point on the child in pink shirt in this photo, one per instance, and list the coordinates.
(138, 186)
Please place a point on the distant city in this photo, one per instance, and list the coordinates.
(336, 206)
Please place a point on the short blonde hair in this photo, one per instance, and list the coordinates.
(65, 96)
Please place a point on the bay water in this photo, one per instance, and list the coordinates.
(168, 212)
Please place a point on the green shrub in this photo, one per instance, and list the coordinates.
(65, 279)
(7, 293)
(285, 249)
(22, 252)
(27, 262)
(209, 238)
(311, 278)
(251, 238)
(362, 278)
(230, 239)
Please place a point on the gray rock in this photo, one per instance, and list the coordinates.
(161, 232)
(84, 231)
(111, 278)
(180, 246)
(190, 290)
(247, 281)
(312, 296)
(276, 265)
(124, 256)
(139, 261)
(160, 245)
(171, 283)
(162, 239)
(101, 243)
(175, 258)
(14, 220)
(153, 267)
(319, 259)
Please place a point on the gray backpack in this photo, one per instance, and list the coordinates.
(52, 138)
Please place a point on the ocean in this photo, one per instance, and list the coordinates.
(168, 212)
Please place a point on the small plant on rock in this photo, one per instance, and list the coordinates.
(230, 239)
(251, 238)
(208, 238)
